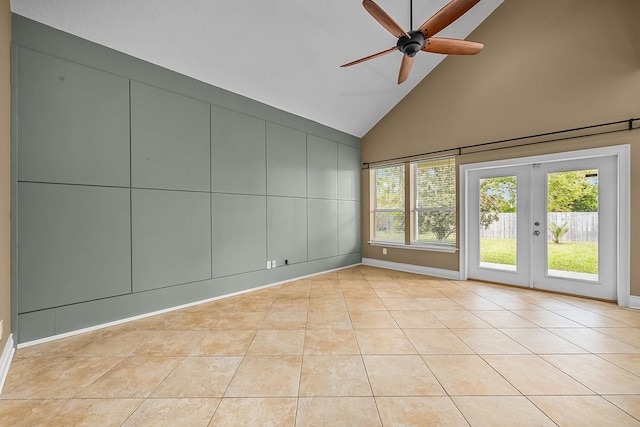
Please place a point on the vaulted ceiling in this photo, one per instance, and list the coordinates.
(285, 53)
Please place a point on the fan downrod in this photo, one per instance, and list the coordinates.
(410, 46)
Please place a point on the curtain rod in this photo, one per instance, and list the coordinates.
(487, 146)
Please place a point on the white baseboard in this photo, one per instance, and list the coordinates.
(634, 302)
(410, 268)
(5, 360)
(166, 310)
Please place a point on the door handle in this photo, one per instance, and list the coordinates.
(536, 233)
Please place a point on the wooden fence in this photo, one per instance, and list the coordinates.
(583, 226)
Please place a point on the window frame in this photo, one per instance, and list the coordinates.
(375, 210)
(416, 210)
(411, 210)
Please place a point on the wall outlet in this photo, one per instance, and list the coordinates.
(268, 265)
(273, 263)
(384, 251)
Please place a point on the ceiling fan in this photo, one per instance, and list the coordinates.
(410, 43)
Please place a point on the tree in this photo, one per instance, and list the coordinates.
(558, 231)
(497, 195)
(573, 191)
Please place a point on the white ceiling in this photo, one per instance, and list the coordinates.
(285, 53)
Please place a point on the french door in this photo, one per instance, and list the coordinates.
(550, 225)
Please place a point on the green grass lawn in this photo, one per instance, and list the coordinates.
(579, 257)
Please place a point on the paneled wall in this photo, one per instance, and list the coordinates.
(139, 189)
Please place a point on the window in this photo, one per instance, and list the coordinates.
(429, 207)
(435, 201)
(389, 211)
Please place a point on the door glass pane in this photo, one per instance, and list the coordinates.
(572, 224)
(498, 222)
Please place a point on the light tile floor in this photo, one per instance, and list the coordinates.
(361, 346)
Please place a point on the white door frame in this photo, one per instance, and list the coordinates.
(622, 154)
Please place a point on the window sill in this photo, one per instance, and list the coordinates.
(432, 248)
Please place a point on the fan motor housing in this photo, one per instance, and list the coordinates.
(410, 46)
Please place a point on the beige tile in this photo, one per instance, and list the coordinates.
(115, 344)
(547, 319)
(133, 377)
(582, 411)
(199, 377)
(468, 375)
(63, 347)
(630, 362)
(541, 341)
(532, 375)
(23, 413)
(359, 292)
(66, 378)
(391, 293)
(330, 290)
(170, 343)
(421, 290)
(255, 412)
(178, 412)
(240, 321)
(495, 411)
(327, 304)
(372, 320)
(419, 411)
(401, 304)
(193, 321)
(383, 341)
(476, 303)
(405, 375)
(629, 335)
(262, 304)
(298, 289)
(504, 319)
(436, 341)
(590, 319)
(416, 319)
(277, 342)
(285, 320)
(513, 303)
(629, 316)
(438, 304)
(459, 319)
(224, 343)
(266, 376)
(628, 403)
(23, 370)
(290, 304)
(333, 376)
(489, 341)
(330, 342)
(594, 341)
(364, 304)
(596, 373)
(91, 412)
(337, 411)
(328, 320)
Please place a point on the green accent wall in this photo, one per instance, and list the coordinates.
(138, 189)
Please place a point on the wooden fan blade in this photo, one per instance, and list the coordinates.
(445, 16)
(384, 19)
(405, 68)
(366, 58)
(452, 46)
